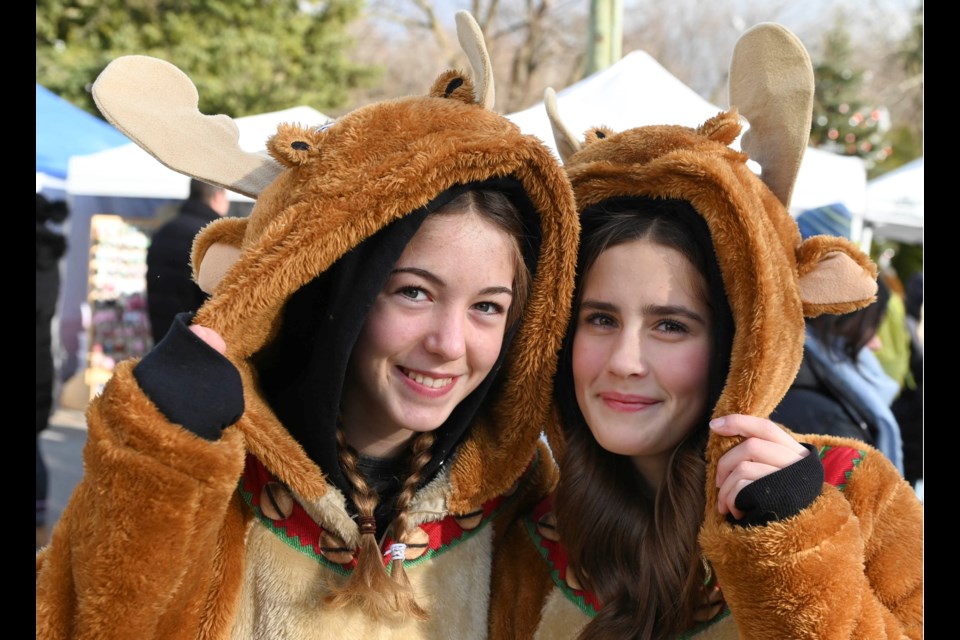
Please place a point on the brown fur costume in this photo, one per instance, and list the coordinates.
(850, 564)
(158, 541)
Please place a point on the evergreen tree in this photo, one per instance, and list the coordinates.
(245, 56)
(906, 138)
(842, 121)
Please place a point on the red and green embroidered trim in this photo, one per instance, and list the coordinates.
(556, 557)
(839, 464)
(302, 533)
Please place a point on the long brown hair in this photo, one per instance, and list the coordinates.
(369, 586)
(635, 545)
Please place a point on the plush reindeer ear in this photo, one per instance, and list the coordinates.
(156, 105)
(835, 276)
(723, 128)
(459, 86)
(295, 146)
(771, 84)
(215, 249)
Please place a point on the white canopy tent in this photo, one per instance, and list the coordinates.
(895, 204)
(638, 91)
(129, 182)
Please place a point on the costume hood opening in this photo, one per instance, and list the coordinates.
(721, 329)
(304, 368)
(772, 277)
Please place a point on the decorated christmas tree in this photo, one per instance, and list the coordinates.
(842, 121)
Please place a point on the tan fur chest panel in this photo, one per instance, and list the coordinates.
(283, 595)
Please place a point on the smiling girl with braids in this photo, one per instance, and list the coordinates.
(332, 445)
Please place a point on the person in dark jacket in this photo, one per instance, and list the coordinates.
(51, 245)
(818, 397)
(170, 285)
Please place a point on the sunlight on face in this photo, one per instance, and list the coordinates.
(641, 352)
(434, 332)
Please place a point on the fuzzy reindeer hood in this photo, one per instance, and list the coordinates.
(346, 196)
(772, 278)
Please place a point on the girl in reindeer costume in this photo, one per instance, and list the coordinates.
(692, 288)
(334, 444)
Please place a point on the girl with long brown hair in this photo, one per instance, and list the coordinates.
(681, 511)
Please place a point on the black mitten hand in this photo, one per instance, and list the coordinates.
(781, 494)
(191, 383)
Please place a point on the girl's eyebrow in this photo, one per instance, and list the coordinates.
(673, 310)
(598, 305)
(492, 291)
(653, 310)
(423, 273)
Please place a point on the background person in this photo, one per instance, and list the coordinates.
(841, 388)
(170, 285)
(51, 246)
(908, 407)
(893, 353)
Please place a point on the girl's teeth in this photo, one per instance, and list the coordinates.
(433, 383)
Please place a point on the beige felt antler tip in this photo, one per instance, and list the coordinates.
(473, 45)
(154, 104)
(567, 143)
(771, 83)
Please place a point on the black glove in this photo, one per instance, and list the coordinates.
(191, 383)
(781, 494)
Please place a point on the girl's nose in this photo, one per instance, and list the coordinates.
(447, 338)
(627, 357)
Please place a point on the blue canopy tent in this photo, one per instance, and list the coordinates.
(64, 130)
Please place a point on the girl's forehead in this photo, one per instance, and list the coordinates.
(643, 256)
(446, 233)
(639, 268)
